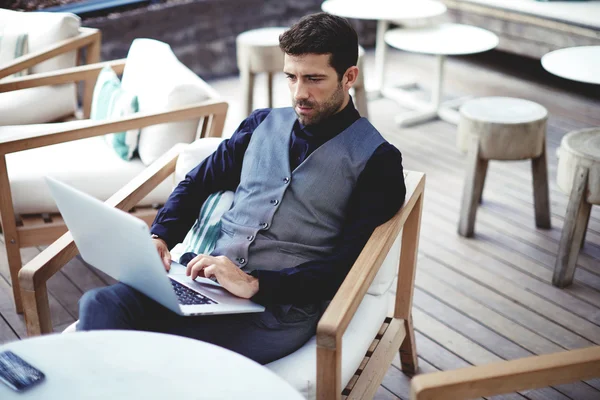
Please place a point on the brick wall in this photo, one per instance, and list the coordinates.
(202, 32)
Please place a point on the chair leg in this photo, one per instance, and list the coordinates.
(541, 197)
(11, 236)
(475, 179)
(578, 213)
(247, 79)
(408, 349)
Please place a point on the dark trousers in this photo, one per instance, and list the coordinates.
(263, 337)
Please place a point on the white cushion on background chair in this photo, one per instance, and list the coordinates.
(87, 164)
(162, 82)
(37, 105)
(300, 368)
(45, 29)
(193, 155)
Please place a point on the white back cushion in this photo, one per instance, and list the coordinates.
(37, 105)
(388, 270)
(193, 155)
(44, 29)
(300, 368)
(162, 82)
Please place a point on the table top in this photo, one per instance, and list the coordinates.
(503, 110)
(141, 365)
(261, 36)
(443, 39)
(388, 10)
(576, 63)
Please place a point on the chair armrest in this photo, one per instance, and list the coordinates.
(85, 37)
(62, 76)
(18, 141)
(34, 275)
(508, 376)
(342, 308)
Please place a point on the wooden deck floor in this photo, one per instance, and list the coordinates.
(476, 300)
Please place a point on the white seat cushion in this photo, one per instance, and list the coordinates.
(161, 82)
(44, 29)
(300, 368)
(37, 105)
(87, 164)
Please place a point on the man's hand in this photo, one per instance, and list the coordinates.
(163, 252)
(227, 273)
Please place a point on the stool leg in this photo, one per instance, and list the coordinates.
(578, 212)
(247, 79)
(270, 88)
(484, 169)
(475, 178)
(361, 101)
(541, 197)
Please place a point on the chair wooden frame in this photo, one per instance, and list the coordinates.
(396, 334)
(508, 376)
(88, 38)
(35, 232)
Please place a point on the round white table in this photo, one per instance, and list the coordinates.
(580, 64)
(440, 40)
(140, 365)
(384, 11)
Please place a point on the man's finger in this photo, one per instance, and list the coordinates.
(167, 262)
(201, 259)
(210, 271)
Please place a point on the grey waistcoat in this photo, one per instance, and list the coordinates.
(281, 218)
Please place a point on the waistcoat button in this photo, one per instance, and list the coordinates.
(250, 238)
(286, 180)
(274, 202)
(242, 261)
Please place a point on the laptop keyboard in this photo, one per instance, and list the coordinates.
(187, 296)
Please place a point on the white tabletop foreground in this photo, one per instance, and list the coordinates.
(140, 365)
(580, 63)
(389, 10)
(443, 39)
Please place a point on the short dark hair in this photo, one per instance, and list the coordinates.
(323, 33)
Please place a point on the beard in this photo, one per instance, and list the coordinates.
(320, 111)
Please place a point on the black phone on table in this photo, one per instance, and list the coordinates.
(17, 373)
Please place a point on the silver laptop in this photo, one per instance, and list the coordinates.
(119, 245)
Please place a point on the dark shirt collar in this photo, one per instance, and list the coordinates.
(332, 126)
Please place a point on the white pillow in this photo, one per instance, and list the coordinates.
(44, 29)
(161, 83)
(13, 44)
(110, 101)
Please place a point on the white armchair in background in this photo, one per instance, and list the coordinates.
(175, 105)
(55, 41)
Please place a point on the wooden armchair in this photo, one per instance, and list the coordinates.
(65, 36)
(396, 333)
(35, 230)
(508, 376)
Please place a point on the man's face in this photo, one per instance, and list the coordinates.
(316, 91)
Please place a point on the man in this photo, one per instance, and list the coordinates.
(311, 184)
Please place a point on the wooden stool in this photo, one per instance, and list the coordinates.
(579, 175)
(360, 94)
(258, 51)
(502, 128)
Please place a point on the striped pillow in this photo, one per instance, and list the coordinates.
(111, 101)
(202, 238)
(12, 46)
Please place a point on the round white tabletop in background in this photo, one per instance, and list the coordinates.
(580, 64)
(443, 39)
(140, 365)
(261, 36)
(389, 10)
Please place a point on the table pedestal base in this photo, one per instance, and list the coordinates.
(425, 111)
